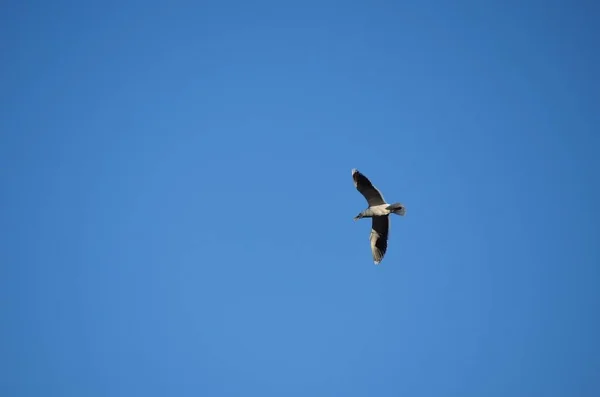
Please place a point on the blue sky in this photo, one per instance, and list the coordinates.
(176, 198)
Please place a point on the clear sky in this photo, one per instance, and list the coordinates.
(176, 198)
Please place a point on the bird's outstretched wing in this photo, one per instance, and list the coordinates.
(366, 188)
(379, 237)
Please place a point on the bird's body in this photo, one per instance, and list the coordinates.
(379, 211)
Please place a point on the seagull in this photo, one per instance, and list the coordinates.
(378, 210)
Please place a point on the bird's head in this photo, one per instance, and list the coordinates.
(357, 217)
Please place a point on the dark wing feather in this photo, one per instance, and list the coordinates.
(366, 188)
(379, 237)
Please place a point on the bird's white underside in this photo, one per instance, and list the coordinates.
(380, 210)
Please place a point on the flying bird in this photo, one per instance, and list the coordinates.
(379, 211)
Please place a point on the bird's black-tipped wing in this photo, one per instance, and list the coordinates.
(379, 237)
(366, 188)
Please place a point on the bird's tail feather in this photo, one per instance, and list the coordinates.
(397, 208)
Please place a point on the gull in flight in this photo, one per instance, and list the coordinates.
(378, 211)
